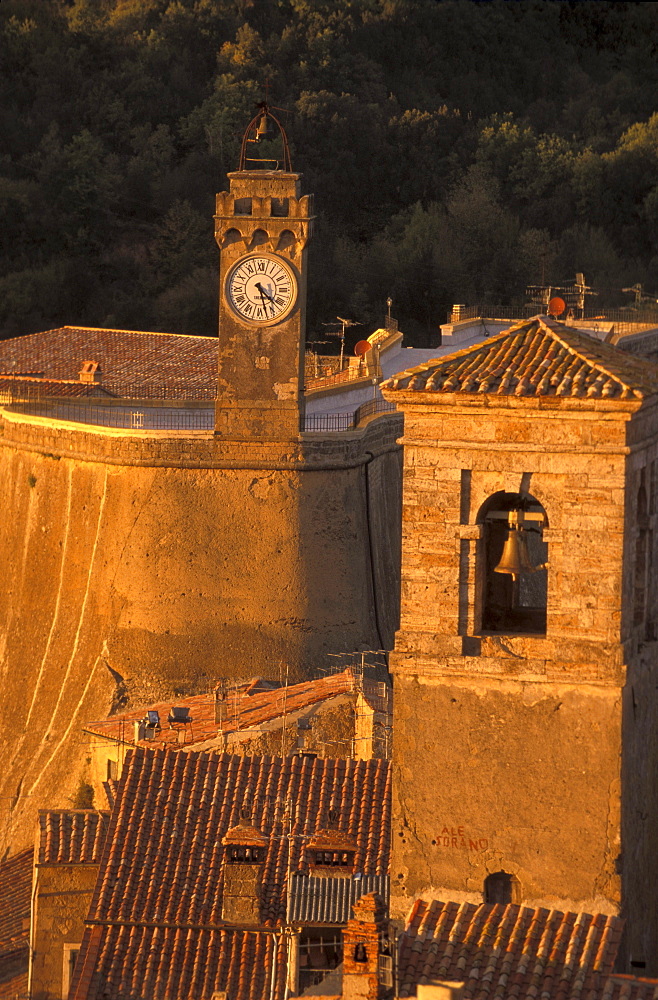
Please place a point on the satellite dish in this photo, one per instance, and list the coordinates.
(556, 306)
(361, 348)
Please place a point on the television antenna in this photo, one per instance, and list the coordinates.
(345, 324)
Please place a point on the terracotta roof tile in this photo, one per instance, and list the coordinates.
(15, 895)
(71, 836)
(162, 866)
(538, 357)
(509, 951)
(126, 357)
(248, 707)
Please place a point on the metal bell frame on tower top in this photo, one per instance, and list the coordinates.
(258, 126)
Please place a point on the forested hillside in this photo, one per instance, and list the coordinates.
(457, 151)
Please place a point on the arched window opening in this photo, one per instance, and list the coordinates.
(515, 579)
(501, 887)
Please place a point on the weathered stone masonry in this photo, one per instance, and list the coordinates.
(529, 754)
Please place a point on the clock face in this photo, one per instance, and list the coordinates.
(261, 289)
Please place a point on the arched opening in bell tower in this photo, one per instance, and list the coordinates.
(513, 564)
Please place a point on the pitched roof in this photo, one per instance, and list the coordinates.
(15, 895)
(128, 358)
(248, 707)
(162, 865)
(508, 951)
(538, 357)
(71, 836)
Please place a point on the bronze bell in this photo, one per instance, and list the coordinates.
(263, 131)
(515, 559)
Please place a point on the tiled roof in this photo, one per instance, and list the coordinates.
(316, 899)
(162, 864)
(71, 836)
(538, 357)
(15, 894)
(248, 706)
(110, 789)
(179, 964)
(126, 357)
(508, 951)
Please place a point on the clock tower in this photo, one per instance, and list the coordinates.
(262, 227)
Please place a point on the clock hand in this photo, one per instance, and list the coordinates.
(263, 292)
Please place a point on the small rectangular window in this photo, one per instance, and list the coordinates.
(242, 206)
(70, 957)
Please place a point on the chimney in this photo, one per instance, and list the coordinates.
(91, 372)
(245, 850)
(367, 951)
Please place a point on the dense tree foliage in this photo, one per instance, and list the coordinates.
(458, 150)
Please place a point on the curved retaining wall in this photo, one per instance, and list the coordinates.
(145, 567)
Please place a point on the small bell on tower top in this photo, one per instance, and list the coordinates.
(263, 131)
(261, 128)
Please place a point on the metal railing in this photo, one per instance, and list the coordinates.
(348, 375)
(128, 418)
(331, 422)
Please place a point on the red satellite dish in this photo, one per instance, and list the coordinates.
(556, 306)
(361, 348)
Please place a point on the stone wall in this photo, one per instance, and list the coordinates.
(62, 897)
(143, 567)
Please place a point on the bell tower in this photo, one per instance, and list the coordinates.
(526, 665)
(262, 227)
